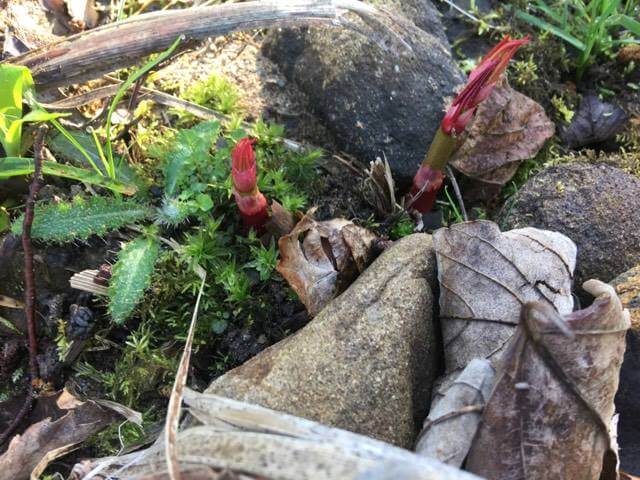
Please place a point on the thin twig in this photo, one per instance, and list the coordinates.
(24, 410)
(29, 276)
(29, 284)
(456, 190)
(470, 16)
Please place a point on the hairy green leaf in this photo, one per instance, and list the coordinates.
(131, 275)
(16, 166)
(187, 146)
(81, 218)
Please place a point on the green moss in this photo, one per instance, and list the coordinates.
(214, 92)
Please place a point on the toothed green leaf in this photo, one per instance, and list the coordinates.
(131, 275)
(60, 222)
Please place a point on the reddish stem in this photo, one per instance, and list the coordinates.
(29, 276)
(29, 284)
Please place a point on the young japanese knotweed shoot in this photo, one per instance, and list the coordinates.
(252, 203)
(428, 179)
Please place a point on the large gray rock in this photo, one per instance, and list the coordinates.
(596, 206)
(374, 102)
(366, 363)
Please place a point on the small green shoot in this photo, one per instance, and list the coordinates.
(110, 164)
(593, 28)
(264, 259)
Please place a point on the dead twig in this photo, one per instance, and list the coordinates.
(30, 284)
(90, 54)
(175, 401)
(456, 190)
(29, 276)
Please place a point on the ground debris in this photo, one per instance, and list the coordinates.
(331, 254)
(551, 410)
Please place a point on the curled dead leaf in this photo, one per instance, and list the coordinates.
(595, 121)
(59, 422)
(508, 127)
(320, 259)
(552, 406)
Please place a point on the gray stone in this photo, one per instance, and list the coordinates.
(366, 363)
(596, 206)
(374, 102)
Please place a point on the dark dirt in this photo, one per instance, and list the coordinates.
(628, 405)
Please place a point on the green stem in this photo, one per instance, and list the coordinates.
(440, 151)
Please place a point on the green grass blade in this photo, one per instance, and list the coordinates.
(121, 91)
(16, 166)
(543, 25)
(555, 16)
(630, 24)
(66, 134)
(80, 219)
(131, 276)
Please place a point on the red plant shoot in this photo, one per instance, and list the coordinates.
(481, 81)
(252, 203)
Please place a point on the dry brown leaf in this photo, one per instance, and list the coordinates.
(9, 302)
(61, 422)
(256, 441)
(487, 276)
(508, 127)
(453, 420)
(280, 222)
(595, 121)
(550, 411)
(320, 259)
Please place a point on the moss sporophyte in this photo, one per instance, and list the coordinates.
(429, 177)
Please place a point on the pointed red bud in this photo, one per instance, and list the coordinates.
(243, 166)
(252, 203)
(479, 85)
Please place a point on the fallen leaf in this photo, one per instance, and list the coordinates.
(550, 411)
(10, 302)
(508, 127)
(59, 421)
(487, 276)
(595, 121)
(453, 420)
(329, 257)
(280, 222)
(255, 441)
